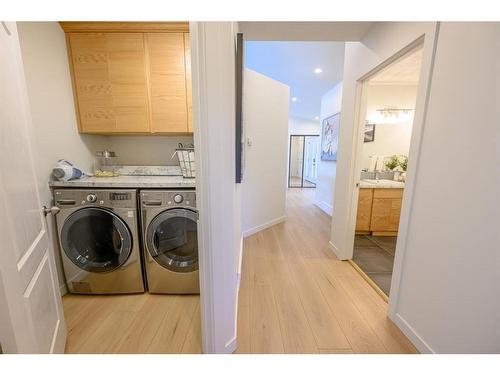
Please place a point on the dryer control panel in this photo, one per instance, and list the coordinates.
(174, 198)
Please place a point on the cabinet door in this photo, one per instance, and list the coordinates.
(189, 87)
(363, 217)
(167, 82)
(385, 214)
(110, 82)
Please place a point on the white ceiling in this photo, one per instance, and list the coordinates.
(305, 31)
(403, 71)
(293, 64)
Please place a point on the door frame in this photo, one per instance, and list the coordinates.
(303, 154)
(429, 45)
(213, 62)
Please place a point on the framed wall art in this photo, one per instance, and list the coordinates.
(369, 132)
(330, 137)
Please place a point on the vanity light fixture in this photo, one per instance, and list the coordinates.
(391, 115)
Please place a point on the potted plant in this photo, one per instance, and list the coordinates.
(392, 163)
(403, 162)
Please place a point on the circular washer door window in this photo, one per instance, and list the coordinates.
(96, 240)
(172, 240)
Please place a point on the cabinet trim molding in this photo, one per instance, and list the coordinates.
(125, 27)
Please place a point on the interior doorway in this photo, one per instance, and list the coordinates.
(390, 96)
(303, 156)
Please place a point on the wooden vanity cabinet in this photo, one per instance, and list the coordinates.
(364, 214)
(130, 77)
(379, 211)
(386, 209)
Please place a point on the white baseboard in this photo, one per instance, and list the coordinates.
(325, 207)
(231, 345)
(240, 262)
(336, 251)
(256, 229)
(63, 289)
(413, 336)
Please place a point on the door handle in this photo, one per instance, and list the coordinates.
(151, 203)
(52, 210)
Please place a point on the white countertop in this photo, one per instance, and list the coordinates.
(129, 182)
(381, 184)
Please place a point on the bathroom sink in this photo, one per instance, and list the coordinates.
(383, 183)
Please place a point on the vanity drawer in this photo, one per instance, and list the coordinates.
(388, 193)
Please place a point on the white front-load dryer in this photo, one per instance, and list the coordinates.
(169, 229)
(98, 235)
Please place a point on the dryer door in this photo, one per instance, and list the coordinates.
(172, 240)
(96, 239)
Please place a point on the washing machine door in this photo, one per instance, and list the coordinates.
(96, 239)
(172, 240)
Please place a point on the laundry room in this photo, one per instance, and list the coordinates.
(116, 172)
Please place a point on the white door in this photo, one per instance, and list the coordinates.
(30, 302)
(311, 155)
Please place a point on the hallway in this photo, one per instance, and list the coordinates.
(296, 297)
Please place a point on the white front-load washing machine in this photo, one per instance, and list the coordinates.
(169, 229)
(98, 236)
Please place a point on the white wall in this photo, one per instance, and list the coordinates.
(305, 31)
(450, 272)
(265, 116)
(445, 281)
(146, 150)
(43, 47)
(390, 139)
(325, 184)
(299, 126)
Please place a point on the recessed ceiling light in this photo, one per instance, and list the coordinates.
(294, 99)
(318, 70)
(316, 118)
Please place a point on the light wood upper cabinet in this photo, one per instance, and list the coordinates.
(109, 80)
(189, 87)
(130, 77)
(167, 82)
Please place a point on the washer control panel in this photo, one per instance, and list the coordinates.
(99, 197)
(177, 198)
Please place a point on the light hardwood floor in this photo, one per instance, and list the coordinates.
(135, 323)
(295, 297)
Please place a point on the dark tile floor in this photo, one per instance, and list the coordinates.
(375, 256)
